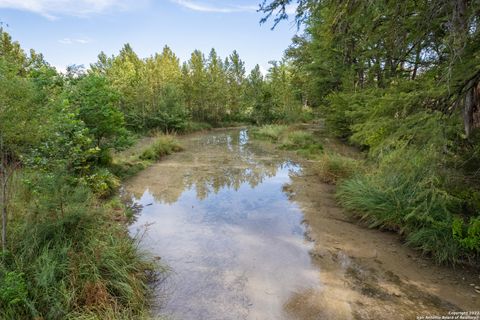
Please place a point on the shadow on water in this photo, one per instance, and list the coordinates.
(217, 215)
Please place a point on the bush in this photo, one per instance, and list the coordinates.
(103, 183)
(127, 165)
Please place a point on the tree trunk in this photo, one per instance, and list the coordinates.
(417, 62)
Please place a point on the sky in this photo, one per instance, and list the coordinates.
(75, 31)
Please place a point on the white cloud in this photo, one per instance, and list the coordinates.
(54, 8)
(82, 41)
(204, 7)
(66, 41)
(74, 40)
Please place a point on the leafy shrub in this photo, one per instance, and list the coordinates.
(103, 183)
(468, 234)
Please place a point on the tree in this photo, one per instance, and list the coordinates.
(96, 103)
(217, 89)
(195, 85)
(236, 84)
(256, 106)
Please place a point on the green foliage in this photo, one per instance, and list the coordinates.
(143, 155)
(468, 235)
(192, 126)
(170, 113)
(21, 126)
(407, 194)
(96, 105)
(289, 138)
(67, 144)
(303, 142)
(269, 132)
(13, 291)
(387, 77)
(333, 168)
(68, 256)
(103, 183)
(298, 139)
(163, 145)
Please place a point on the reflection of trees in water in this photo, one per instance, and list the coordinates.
(211, 162)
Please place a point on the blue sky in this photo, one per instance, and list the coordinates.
(75, 31)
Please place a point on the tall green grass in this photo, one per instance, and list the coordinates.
(68, 257)
(270, 132)
(162, 146)
(127, 166)
(407, 194)
(290, 138)
(302, 142)
(333, 167)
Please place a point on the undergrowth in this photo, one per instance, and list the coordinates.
(127, 166)
(332, 167)
(67, 256)
(290, 138)
(270, 132)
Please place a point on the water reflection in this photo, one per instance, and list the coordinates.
(212, 161)
(223, 224)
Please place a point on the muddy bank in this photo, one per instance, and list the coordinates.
(369, 274)
(251, 233)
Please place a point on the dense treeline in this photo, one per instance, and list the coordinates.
(160, 92)
(64, 252)
(400, 79)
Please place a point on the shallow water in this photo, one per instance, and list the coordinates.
(251, 233)
(218, 216)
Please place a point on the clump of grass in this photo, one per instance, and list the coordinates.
(67, 257)
(271, 132)
(141, 157)
(303, 142)
(288, 138)
(332, 167)
(163, 145)
(127, 168)
(407, 194)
